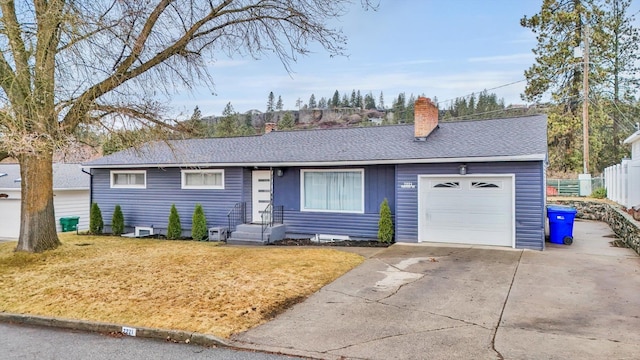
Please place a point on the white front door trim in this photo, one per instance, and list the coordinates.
(508, 177)
(260, 193)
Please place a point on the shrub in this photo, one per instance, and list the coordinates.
(117, 221)
(385, 224)
(199, 229)
(174, 229)
(95, 220)
(599, 193)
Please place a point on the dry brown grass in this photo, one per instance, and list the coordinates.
(184, 285)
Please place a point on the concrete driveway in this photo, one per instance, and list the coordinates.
(466, 302)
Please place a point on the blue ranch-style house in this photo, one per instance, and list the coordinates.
(467, 182)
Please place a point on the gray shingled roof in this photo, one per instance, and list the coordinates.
(509, 138)
(65, 176)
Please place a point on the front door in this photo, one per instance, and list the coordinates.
(260, 193)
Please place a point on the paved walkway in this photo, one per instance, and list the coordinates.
(467, 302)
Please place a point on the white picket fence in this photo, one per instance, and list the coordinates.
(622, 182)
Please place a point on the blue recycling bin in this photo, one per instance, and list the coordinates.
(561, 224)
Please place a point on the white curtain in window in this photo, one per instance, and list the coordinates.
(128, 179)
(203, 179)
(338, 191)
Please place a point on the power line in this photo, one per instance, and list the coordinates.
(477, 92)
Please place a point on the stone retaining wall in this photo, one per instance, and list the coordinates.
(620, 222)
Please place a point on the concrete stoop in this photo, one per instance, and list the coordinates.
(251, 234)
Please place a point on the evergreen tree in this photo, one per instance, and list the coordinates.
(410, 113)
(618, 49)
(322, 103)
(312, 102)
(279, 104)
(359, 100)
(385, 224)
(117, 221)
(381, 101)
(353, 102)
(95, 220)
(228, 124)
(174, 229)
(369, 102)
(199, 230)
(344, 102)
(399, 108)
(335, 101)
(613, 59)
(559, 28)
(287, 122)
(271, 102)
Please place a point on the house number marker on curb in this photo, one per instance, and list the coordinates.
(129, 331)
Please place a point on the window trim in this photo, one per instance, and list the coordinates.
(183, 177)
(358, 170)
(134, 186)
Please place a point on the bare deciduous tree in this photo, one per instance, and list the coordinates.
(71, 63)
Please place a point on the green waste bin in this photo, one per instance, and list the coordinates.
(69, 223)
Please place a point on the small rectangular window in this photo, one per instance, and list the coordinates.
(203, 179)
(129, 179)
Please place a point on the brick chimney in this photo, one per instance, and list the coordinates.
(425, 118)
(269, 127)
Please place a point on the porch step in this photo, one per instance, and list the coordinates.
(251, 234)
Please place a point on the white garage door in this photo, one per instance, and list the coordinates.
(466, 210)
(10, 218)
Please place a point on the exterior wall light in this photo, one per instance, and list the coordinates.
(463, 169)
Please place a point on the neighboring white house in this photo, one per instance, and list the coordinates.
(70, 191)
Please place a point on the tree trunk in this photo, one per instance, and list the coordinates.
(37, 220)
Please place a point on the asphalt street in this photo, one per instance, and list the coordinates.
(25, 342)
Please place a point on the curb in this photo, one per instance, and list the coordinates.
(100, 327)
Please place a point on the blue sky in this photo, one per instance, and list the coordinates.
(442, 48)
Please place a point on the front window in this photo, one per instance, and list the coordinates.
(132, 179)
(333, 190)
(203, 179)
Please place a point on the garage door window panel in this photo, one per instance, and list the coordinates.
(333, 190)
(446, 185)
(486, 185)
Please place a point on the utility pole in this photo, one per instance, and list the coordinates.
(585, 102)
(585, 177)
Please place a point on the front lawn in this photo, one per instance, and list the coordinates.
(182, 285)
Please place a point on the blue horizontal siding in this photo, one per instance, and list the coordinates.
(378, 184)
(529, 202)
(151, 206)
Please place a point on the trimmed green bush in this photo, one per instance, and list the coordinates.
(174, 229)
(95, 220)
(599, 193)
(385, 224)
(117, 221)
(199, 229)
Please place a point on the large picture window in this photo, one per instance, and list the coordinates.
(132, 179)
(333, 190)
(203, 179)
